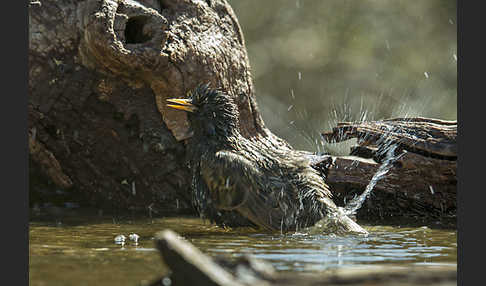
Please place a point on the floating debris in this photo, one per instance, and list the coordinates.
(134, 237)
(120, 239)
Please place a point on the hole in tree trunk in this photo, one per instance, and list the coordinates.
(134, 33)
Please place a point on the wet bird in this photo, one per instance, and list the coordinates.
(239, 182)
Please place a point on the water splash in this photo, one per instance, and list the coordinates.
(355, 204)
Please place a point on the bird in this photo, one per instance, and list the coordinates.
(241, 182)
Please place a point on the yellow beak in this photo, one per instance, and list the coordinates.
(182, 104)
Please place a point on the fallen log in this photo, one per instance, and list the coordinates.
(189, 266)
(421, 184)
(427, 136)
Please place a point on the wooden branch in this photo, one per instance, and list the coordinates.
(48, 161)
(432, 137)
(189, 266)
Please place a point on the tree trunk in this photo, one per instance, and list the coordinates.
(99, 74)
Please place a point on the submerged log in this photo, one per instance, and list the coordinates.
(421, 184)
(189, 266)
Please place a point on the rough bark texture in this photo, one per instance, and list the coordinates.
(99, 74)
(421, 184)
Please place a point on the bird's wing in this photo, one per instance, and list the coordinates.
(207, 210)
(229, 178)
(235, 183)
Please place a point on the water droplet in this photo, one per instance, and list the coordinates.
(387, 44)
(166, 281)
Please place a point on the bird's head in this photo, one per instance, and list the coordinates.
(211, 112)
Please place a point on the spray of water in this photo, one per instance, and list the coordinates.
(389, 147)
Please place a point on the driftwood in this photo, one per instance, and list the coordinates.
(181, 257)
(99, 74)
(422, 183)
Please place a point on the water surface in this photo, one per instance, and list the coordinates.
(81, 251)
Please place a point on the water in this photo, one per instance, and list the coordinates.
(353, 206)
(81, 250)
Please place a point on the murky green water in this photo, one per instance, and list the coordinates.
(83, 252)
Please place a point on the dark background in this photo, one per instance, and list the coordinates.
(318, 62)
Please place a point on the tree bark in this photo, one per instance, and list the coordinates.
(421, 184)
(99, 74)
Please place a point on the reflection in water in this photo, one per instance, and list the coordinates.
(74, 253)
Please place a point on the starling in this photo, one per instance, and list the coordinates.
(239, 182)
